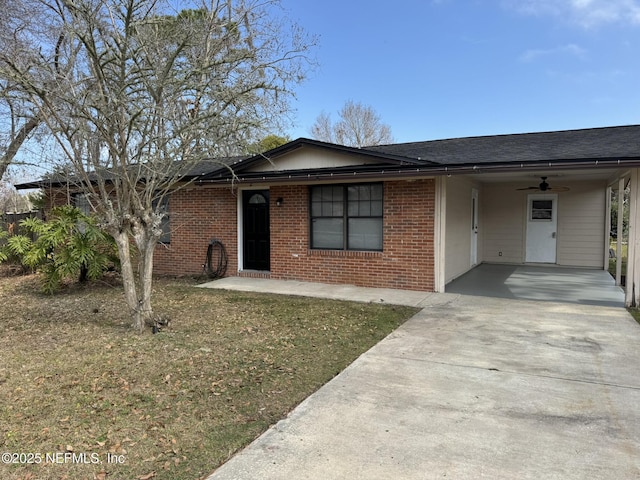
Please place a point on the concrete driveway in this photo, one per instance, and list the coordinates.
(471, 387)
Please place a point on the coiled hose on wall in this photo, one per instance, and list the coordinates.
(215, 265)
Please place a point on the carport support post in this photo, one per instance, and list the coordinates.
(439, 234)
(619, 231)
(607, 227)
(633, 271)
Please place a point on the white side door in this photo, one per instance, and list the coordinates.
(474, 227)
(542, 227)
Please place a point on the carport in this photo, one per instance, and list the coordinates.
(537, 199)
(544, 283)
(498, 240)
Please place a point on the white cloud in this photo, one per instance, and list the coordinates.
(570, 49)
(587, 13)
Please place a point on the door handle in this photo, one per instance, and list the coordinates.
(553, 235)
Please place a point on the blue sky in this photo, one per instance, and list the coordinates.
(453, 68)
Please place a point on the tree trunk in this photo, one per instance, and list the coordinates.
(84, 273)
(129, 281)
(146, 248)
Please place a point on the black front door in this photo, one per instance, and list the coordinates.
(255, 226)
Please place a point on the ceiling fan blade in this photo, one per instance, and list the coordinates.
(545, 187)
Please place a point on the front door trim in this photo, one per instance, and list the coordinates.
(250, 256)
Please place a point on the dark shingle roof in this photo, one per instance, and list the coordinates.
(593, 143)
(613, 145)
(203, 167)
(213, 164)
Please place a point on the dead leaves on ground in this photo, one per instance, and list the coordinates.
(174, 404)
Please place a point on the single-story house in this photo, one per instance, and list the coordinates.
(410, 215)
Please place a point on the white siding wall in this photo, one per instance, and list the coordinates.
(581, 223)
(581, 219)
(458, 227)
(503, 214)
(310, 158)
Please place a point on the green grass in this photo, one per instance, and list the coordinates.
(635, 313)
(613, 261)
(75, 379)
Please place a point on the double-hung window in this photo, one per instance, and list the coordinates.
(81, 202)
(347, 217)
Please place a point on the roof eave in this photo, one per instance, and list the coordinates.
(369, 172)
(42, 184)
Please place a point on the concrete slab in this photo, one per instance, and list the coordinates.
(323, 290)
(471, 387)
(542, 283)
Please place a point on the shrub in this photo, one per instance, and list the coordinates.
(69, 245)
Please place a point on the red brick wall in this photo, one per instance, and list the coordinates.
(407, 259)
(56, 197)
(197, 215)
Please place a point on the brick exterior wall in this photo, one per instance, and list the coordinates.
(197, 215)
(56, 197)
(407, 259)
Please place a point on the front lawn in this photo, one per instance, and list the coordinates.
(83, 397)
(635, 313)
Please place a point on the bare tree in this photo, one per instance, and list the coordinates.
(135, 97)
(11, 201)
(359, 126)
(19, 120)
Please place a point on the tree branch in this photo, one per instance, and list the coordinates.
(16, 143)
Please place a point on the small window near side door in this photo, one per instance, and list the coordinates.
(541, 210)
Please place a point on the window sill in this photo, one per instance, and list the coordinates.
(344, 253)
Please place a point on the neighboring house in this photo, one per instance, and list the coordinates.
(412, 215)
